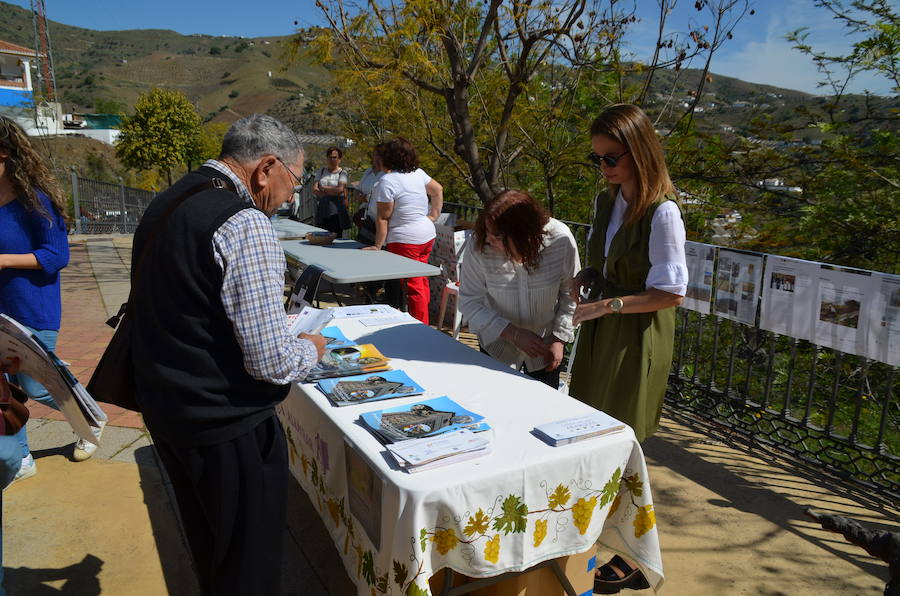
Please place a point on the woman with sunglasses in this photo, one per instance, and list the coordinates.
(515, 284)
(329, 188)
(637, 276)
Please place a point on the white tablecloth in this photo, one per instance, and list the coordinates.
(524, 503)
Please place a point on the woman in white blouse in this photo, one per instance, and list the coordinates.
(329, 188)
(637, 277)
(515, 285)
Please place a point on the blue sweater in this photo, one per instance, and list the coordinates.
(31, 296)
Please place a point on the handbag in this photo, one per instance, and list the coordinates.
(113, 379)
(12, 407)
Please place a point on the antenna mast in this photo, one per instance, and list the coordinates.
(46, 75)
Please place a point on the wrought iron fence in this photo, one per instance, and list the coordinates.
(831, 411)
(105, 208)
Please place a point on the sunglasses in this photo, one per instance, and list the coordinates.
(610, 160)
(297, 187)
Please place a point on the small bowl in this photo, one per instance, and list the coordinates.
(320, 238)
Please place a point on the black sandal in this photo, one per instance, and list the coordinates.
(618, 575)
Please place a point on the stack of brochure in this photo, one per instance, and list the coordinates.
(578, 428)
(360, 389)
(417, 455)
(309, 320)
(421, 420)
(345, 360)
(41, 364)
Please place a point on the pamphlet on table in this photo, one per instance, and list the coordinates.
(423, 419)
(578, 428)
(360, 389)
(417, 455)
(342, 361)
(309, 320)
(41, 364)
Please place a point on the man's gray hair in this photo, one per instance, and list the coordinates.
(250, 138)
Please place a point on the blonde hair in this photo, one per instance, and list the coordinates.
(628, 125)
(27, 171)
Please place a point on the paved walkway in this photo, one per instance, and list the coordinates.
(729, 523)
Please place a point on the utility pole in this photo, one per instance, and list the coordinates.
(46, 74)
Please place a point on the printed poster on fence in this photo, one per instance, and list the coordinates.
(700, 259)
(884, 321)
(842, 303)
(737, 286)
(789, 291)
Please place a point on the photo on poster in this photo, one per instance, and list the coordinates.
(844, 298)
(364, 491)
(700, 260)
(738, 286)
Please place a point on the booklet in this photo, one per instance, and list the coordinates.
(360, 389)
(342, 361)
(578, 428)
(415, 455)
(334, 338)
(36, 361)
(363, 310)
(309, 320)
(422, 419)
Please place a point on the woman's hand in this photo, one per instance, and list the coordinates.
(9, 365)
(582, 282)
(556, 353)
(370, 248)
(526, 341)
(590, 310)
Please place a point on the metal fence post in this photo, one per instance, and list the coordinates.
(124, 217)
(76, 203)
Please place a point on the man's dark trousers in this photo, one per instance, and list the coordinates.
(232, 498)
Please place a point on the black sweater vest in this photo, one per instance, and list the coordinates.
(189, 370)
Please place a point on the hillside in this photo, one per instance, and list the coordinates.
(225, 77)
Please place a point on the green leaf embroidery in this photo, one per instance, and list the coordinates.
(634, 485)
(414, 590)
(368, 568)
(514, 516)
(611, 489)
(400, 572)
(559, 497)
(423, 535)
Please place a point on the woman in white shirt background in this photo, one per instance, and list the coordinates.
(329, 189)
(515, 285)
(408, 201)
(367, 214)
(638, 277)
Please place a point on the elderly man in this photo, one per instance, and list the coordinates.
(213, 355)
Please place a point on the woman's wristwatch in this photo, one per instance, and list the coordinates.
(615, 305)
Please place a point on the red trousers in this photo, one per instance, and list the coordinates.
(418, 292)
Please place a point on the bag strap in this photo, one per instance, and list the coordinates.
(213, 182)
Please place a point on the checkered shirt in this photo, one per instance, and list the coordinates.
(246, 248)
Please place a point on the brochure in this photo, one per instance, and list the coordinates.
(342, 361)
(415, 455)
(308, 320)
(578, 428)
(423, 419)
(363, 310)
(334, 338)
(360, 389)
(44, 366)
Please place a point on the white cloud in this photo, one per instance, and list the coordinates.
(770, 59)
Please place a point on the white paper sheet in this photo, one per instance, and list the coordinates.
(700, 258)
(842, 302)
(790, 288)
(883, 337)
(737, 286)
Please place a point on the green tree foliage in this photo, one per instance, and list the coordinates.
(162, 133)
(499, 93)
(209, 142)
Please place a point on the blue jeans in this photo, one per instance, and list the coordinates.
(33, 389)
(10, 460)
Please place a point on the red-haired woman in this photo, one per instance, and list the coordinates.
(405, 222)
(515, 284)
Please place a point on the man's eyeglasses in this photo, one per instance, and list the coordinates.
(610, 160)
(297, 187)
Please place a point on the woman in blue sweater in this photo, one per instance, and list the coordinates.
(33, 249)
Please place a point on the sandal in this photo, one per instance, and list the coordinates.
(618, 575)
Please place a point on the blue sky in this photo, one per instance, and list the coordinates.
(758, 53)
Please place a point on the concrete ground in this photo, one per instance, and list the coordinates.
(729, 522)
